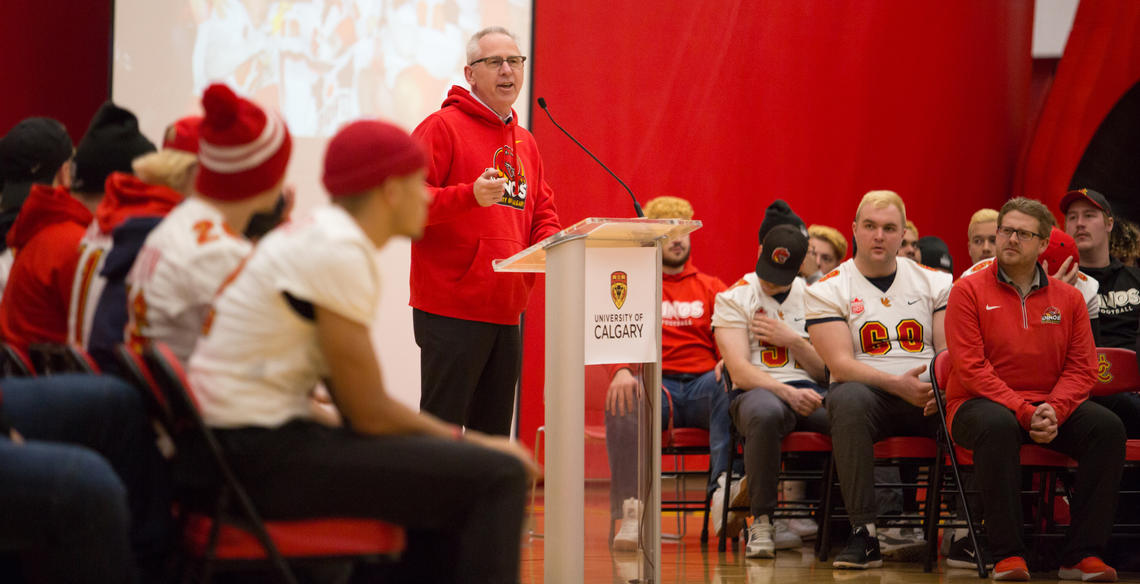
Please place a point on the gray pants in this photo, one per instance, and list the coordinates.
(860, 416)
(765, 420)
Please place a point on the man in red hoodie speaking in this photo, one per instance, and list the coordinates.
(490, 201)
(1022, 363)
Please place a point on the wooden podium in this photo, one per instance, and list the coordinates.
(577, 262)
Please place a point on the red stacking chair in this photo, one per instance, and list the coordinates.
(1118, 371)
(1038, 460)
(794, 444)
(58, 358)
(14, 362)
(215, 534)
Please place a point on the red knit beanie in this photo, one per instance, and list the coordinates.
(183, 135)
(363, 154)
(1061, 246)
(242, 150)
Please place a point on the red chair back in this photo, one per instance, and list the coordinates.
(1117, 371)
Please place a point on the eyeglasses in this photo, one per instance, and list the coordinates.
(516, 62)
(1022, 234)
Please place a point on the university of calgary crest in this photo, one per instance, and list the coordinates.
(619, 286)
(1103, 368)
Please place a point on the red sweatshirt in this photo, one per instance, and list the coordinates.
(126, 196)
(46, 238)
(1016, 353)
(451, 265)
(687, 343)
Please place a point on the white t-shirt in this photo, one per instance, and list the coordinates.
(7, 258)
(260, 358)
(1087, 286)
(892, 331)
(735, 307)
(179, 269)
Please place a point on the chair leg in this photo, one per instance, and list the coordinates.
(981, 565)
(538, 434)
(823, 545)
(933, 510)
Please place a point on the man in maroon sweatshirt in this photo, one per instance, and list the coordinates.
(490, 201)
(1022, 363)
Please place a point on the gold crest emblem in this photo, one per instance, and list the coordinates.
(1103, 369)
(619, 286)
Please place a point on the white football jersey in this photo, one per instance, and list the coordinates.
(1087, 286)
(260, 358)
(735, 307)
(892, 331)
(88, 285)
(179, 269)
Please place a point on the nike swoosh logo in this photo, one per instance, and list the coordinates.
(909, 302)
(988, 307)
(796, 319)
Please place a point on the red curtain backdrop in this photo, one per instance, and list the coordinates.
(732, 104)
(1101, 62)
(55, 61)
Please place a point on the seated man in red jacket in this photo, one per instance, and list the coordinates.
(1022, 364)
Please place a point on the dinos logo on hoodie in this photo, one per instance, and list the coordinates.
(514, 191)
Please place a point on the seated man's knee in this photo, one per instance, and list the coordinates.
(92, 494)
(849, 399)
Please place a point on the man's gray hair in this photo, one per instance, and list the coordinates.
(473, 44)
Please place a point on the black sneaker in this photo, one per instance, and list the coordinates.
(862, 551)
(962, 555)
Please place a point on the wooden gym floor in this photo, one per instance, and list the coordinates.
(685, 561)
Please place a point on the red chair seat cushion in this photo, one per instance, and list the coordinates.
(301, 538)
(685, 438)
(1031, 455)
(1132, 451)
(906, 447)
(806, 442)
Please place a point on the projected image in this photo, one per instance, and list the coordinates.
(324, 63)
(321, 63)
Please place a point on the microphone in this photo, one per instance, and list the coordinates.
(636, 205)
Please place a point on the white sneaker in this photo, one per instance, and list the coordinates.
(738, 496)
(625, 540)
(901, 543)
(785, 538)
(805, 528)
(760, 544)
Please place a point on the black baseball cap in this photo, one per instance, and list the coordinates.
(1094, 198)
(935, 253)
(31, 152)
(784, 249)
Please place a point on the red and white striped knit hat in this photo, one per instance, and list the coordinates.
(242, 150)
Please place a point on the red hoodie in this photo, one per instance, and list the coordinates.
(687, 342)
(46, 238)
(451, 265)
(127, 196)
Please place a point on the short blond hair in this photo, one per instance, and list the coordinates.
(832, 236)
(984, 215)
(668, 208)
(910, 226)
(881, 200)
(167, 167)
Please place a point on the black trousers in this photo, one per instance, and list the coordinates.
(861, 415)
(463, 505)
(1092, 435)
(468, 370)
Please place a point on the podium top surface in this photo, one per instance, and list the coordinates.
(625, 231)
